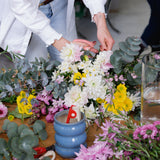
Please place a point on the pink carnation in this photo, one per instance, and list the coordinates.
(3, 110)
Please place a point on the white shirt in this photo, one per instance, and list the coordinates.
(19, 18)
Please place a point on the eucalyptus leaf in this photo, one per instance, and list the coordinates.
(21, 127)
(44, 78)
(5, 124)
(134, 41)
(123, 46)
(9, 88)
(43, 134)
(25, 68)
(26, 143)
(20, 76)
(41, 123)
(3, 146)
(25, 132)
(49, 87)
(37, 127)
(15, 145)
(12, 125)
(127, 58)
(12, 132)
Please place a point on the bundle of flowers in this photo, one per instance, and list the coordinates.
(85, 80)
(124, 141)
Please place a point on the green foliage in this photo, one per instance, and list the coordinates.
(125, 60)
(25, 75)
(21, 140)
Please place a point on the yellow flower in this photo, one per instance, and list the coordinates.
(11, 117)
(120, 96)
(86, 58)
(99, 100)
(122, 88)
(28, 109)
(23, 94)
(30, 97)
(21, 109)
(128, 104)
(33, 92)
(77, 76)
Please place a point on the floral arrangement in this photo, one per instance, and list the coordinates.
(123, 141)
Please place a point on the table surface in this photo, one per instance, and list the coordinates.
(91, 132)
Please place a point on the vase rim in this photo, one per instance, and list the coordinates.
(68, 124)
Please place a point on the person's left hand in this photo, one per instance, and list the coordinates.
(103, 33)
(87, 45)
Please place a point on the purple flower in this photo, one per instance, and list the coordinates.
(45, 96)
(43, 110)
(148, 131)
(3, 110)
(50, 118)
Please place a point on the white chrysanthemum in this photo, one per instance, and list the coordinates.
(136, 99)
(95, 86)
(75, 96)
(103, 61)
(54, 76)
(65, 67)
(83, 65)
(71, 53)
(90, 112)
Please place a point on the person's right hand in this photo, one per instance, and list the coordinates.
(86, 45)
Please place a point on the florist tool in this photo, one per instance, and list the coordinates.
(42, 150)
(71, 114)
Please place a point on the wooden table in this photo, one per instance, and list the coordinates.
(92, 131)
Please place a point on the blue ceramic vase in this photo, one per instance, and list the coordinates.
(69, 136)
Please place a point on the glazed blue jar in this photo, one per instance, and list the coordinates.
(69, 136)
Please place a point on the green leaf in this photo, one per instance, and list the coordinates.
(12, 132)
(5, 124)
(44, 78)
(49, 87)
(43, 134)
(41, 123)
(46, 158)
(127, 58)
(123, 46)
(25, 132)
(3, 146)
(16, 114)
(133, 41)
(21, 128)
(9, 88)
(37, 127)
(2, 95)
(12, 125)
(27, 142)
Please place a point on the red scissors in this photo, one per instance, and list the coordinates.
(71, 114)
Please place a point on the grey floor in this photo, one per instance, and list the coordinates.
(129, 16)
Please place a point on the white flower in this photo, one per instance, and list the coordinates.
(65, 67)
(54, 76)
(75, 96)
(90, 112)
(71, 53)
(95, 86)
(136, 99)
(103, 61)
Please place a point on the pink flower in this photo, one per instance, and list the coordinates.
(59, 79)
(3, 110)
(148, 131)
(50, 118)
(156, 56)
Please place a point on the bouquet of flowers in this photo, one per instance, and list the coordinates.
(123, 141)
(84, 79)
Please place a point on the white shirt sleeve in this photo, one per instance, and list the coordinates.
(95, 6)
(26, 11)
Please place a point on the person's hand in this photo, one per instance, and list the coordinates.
(87, 45)
(103, 33)
(59, 44)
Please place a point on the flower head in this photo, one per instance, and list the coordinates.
(3, 110)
